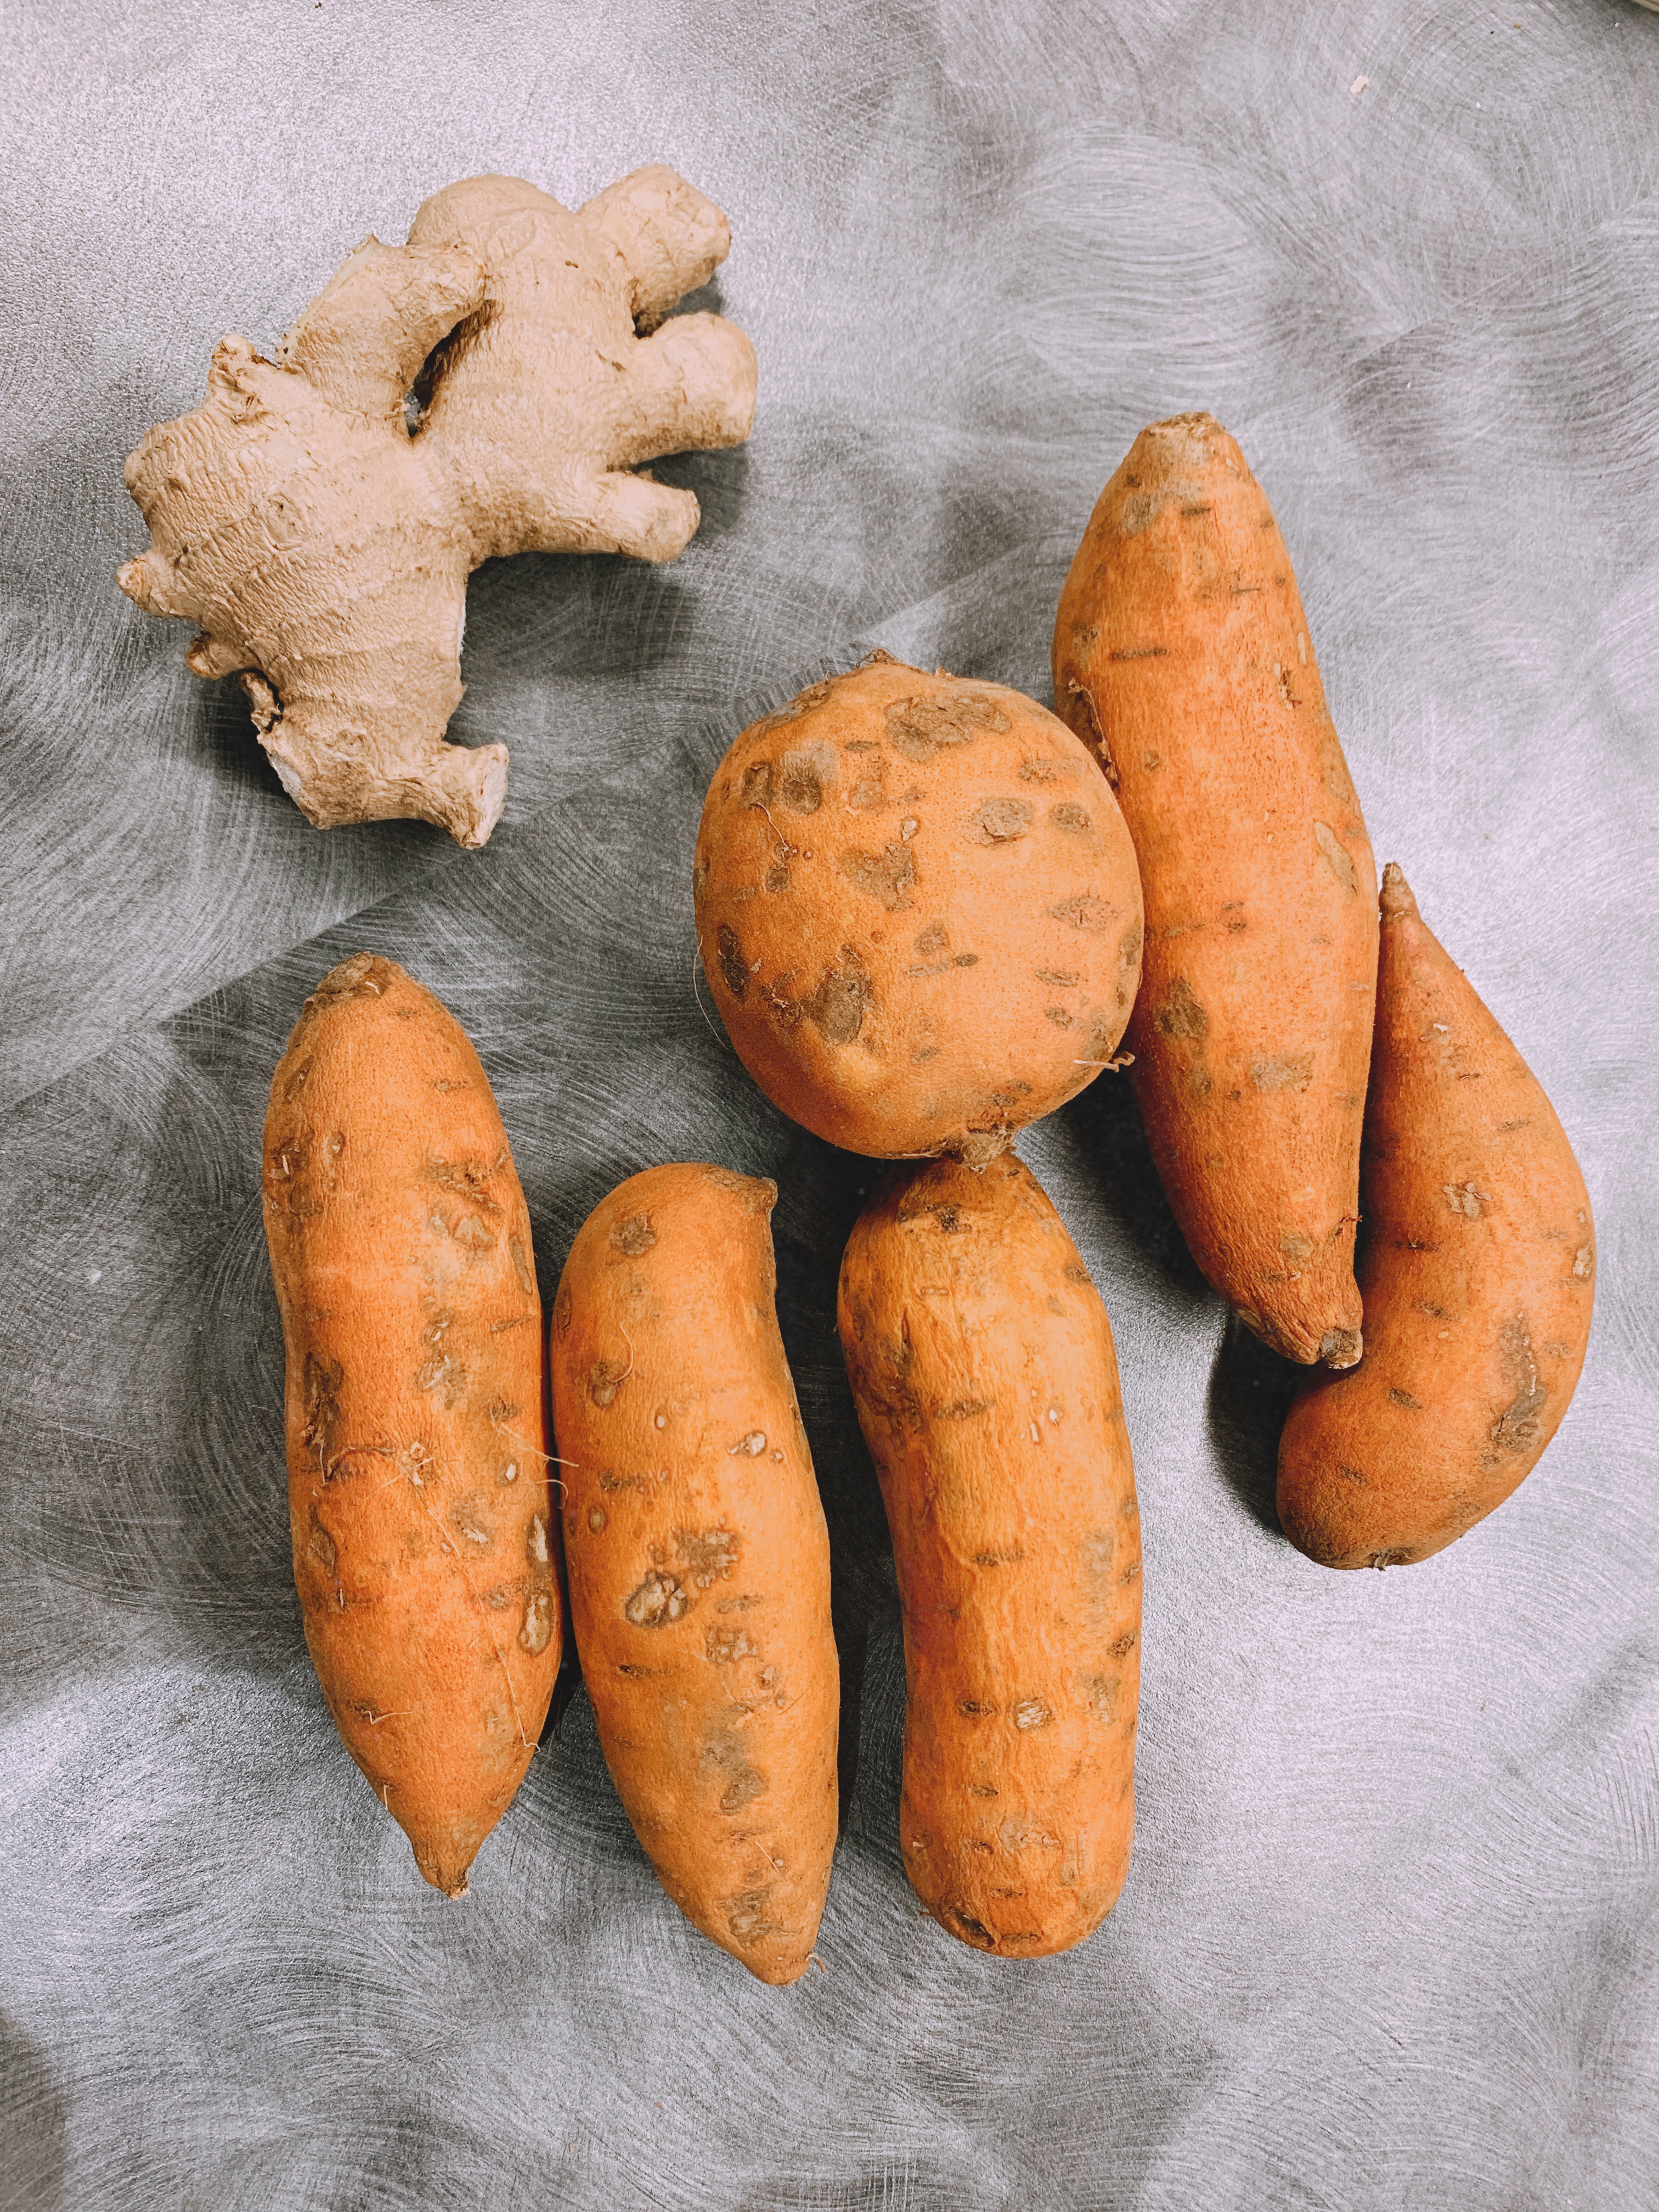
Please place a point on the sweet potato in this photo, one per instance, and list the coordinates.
(698, 1557)
(416, 1437)
(1182, 656)
(1477, 1264)
(982, 1363)
(918, 910)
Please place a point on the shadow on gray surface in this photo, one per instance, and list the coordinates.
(860, 1551)
(1249, 1394)
(1105, 1126)
(32, 2158)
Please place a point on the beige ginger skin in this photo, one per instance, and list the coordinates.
(1181, 657)
(322, 546)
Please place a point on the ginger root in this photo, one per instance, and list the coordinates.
(321, 539)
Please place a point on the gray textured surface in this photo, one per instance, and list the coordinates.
(1391, 1937)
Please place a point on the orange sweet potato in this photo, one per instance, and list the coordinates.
(1477, 1263)
(982, 1363)
(918, 910)
(416, 1437)
(698, 1557)
(1182, 656)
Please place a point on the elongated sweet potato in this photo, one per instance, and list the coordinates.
(698, 1557)
(919, 911)
(1181, 657)
(1477, 1263)
(981, 1363)
(416, 1437)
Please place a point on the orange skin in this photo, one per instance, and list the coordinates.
(1182, 656)
(417, 1438)
(982, 1366)
(919, 911)
(698, 1557)
(1478, 1267)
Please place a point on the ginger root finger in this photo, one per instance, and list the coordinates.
(670, 239)
(320, 541)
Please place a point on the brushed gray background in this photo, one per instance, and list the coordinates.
(1391, 1936)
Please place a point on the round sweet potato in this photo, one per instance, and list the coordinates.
(416, 1437)
(982, 1366)
(698, 1557)
(1477, 1264)
(918, 910)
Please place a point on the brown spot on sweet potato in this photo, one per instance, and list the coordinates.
(733, 966)
(605, 1378)
(1469, 1201)
(1181, 1015)
(633, 1235)
(756, 788)
(748, 1915)
(1405, 1398)
(537, 1629)
(609, 1480)
(975, 1709)
(801, 788)
(1516, 1429)
(1074, 819)
(1292, 1071)
(1584, 1266)
(1000, 821)
(724, 1761)
(323, 1379)
(1082, 910)
(658, 1600)
(837, 1007)
(1030, 1713)
(708, 1555)
(887, 877)
(918, 727)
(1045, 768)
(1102, 1693)
(320, 1545)
(724, 1647)
(970, 1930)
(1336, 856)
